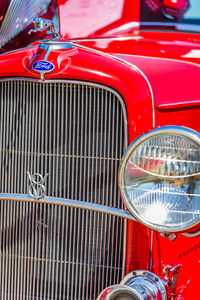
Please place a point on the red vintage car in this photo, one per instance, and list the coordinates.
(100, 154)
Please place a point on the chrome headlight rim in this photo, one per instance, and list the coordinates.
(169, 129)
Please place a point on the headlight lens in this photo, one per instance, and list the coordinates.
(160, 179)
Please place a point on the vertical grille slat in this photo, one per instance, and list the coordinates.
(76, 132)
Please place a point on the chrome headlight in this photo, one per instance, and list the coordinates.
(160, 179)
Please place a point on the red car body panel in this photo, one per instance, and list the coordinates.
(170, 61)
(102, 18)
(166, 75)
(174, 105)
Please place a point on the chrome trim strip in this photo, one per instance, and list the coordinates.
(71, 203)
(125, 243)
(128, 64)
(151, 252)
(192, 234)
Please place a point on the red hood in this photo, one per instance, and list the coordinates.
(171, 62)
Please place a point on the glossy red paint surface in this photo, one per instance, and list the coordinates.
(89, 66)
(98, 18)
(139, 238)
(174, 74)
(168, 71)
(170, 61)
(184, 251)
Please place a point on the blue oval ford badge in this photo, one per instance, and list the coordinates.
(43, 66)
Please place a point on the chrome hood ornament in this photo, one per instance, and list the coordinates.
(56, 43)
(36, 189)
(41, 24)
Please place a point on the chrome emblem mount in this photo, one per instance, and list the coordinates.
(36, 189)
(48, 45)
(42, 67)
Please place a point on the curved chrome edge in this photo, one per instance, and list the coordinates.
(125, 244)
(171, 129)
(50, 45)
(130, 65)
(143, 278)
(151, 252)
(139, 285)
(93, 84)
(111, 292)
(71, 203)
(192, 234)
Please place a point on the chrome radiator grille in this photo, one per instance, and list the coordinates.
(77, 134)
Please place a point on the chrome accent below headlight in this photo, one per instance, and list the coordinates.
(138, 285)
(160, 179)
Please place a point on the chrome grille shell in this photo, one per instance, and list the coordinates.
(77, 133)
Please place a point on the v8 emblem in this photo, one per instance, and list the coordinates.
(36, 188)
